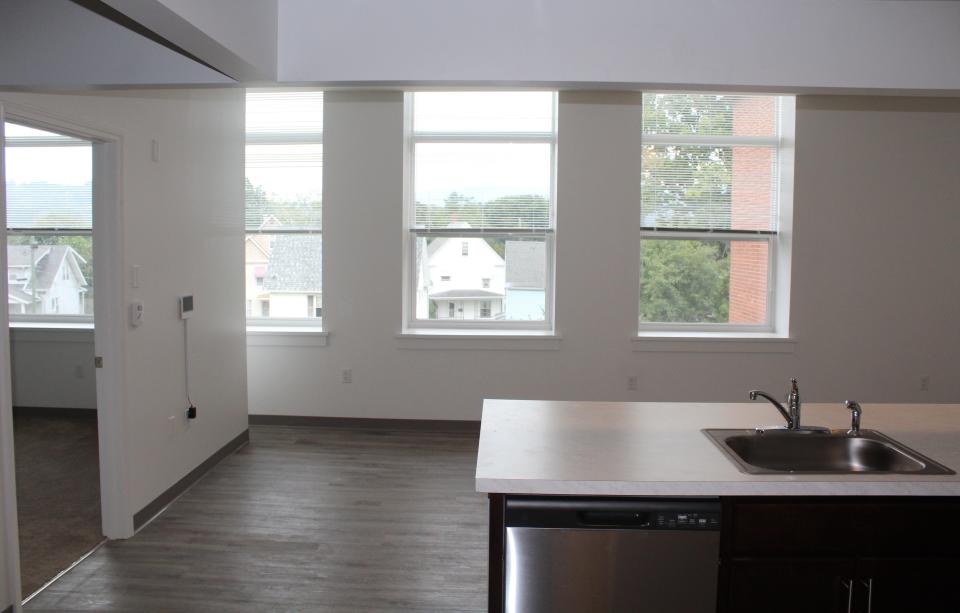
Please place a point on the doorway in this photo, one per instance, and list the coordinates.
(50, 285)
(85, 326)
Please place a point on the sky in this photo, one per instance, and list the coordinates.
(292, 172)
(71, 165)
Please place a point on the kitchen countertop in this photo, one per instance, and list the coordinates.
(658, 449)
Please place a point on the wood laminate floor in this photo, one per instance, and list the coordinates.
(305, 519)
(58, 493)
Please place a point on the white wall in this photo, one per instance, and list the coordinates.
(183, 224)
(853, 44)
(875, 289)
(56, 43)
(53, 368)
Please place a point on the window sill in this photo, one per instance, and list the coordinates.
(49, 332)
(51, 325)
(286, 336)
(712, 342)
(483, 340)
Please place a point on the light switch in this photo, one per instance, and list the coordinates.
(136, 313)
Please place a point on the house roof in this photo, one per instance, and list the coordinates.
(466, 293)
(440, 241)
(17, 295)
(526, 264)
(47, 260)
(294, 264)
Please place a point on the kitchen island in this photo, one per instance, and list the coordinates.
(788, 524)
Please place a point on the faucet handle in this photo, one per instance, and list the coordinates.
(856, 413)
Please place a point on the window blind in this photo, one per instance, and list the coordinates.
(284, 161)
(709, 114)
(710, 162)
(483, 160)
(49, 181)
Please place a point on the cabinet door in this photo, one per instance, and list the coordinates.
(895, 585)
(798, 585)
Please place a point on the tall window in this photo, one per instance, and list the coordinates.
(284, 176)
(480, 209)
(714, 206)
(49, 179)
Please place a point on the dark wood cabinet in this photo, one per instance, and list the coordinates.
(845, 555)
(894, 585)
(760, 585)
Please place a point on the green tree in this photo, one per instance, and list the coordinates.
(686, 186)
(684, 281)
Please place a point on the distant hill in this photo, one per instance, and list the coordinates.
(49, 204)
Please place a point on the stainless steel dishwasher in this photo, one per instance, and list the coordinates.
(651, 555)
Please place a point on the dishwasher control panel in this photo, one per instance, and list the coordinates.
(692, 521)
(622, 514)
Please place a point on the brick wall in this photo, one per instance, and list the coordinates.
(751, 203)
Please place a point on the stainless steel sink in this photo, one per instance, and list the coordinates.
(782, 451)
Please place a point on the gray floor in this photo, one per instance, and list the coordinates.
(58, 493)
(305, 519)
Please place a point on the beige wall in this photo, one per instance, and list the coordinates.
(875, 289)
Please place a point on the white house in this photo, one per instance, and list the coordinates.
(257, 249)
(45, 279)
(462, 278)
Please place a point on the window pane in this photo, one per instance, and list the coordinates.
(489, 185)
(284, 187)
(50, 275)
(473, 278)
(709, 187)
(283, 197)
(704, 281)
(709, 114)
(483, 112)
(49, 180)
(283, 276)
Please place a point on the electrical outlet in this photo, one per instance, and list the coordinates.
(632, 383)
(347, 375)
(924, 383)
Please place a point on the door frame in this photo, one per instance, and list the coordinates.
(109, 333)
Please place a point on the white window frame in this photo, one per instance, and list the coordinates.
(314, 324)
(411, 233)
(779, 241)
(71, 141)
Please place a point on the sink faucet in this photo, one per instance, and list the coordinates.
(791, 413)
(776, 403)
(793, 402)
(856, 412)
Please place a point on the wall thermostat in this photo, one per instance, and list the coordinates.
(186, 306)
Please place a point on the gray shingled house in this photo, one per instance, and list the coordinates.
(293, 276)
(526, 280)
